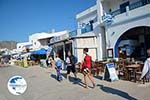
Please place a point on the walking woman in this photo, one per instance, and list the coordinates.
(86, 68)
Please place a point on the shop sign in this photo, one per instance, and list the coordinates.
(107, 19)
(59, 38)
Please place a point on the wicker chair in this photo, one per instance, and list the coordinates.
(122, 72)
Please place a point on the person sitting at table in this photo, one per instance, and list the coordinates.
(146, 68)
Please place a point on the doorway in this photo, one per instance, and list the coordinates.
(134, 43)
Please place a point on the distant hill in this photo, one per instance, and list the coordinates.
(8, 44)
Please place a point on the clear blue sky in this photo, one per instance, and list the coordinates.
(20, 18)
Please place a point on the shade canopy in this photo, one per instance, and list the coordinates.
(40, 52)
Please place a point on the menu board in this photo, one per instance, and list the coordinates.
(112, 71)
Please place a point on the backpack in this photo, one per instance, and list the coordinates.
(59, 63)
(73, 60)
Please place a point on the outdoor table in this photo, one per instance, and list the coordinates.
(134, 67)
(104, 64)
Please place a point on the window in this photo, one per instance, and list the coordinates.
(87, 28)
(110, 53)
(48, 41)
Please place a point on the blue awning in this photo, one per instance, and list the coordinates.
(40, 52)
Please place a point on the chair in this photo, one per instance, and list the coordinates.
(97, 68)
(100, 68)
(139, 73)
(93, 69)
(122, 72)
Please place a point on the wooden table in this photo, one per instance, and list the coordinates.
(98, 67)
(104, 64)
(133, 67)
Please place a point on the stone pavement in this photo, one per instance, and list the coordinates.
(42, 85)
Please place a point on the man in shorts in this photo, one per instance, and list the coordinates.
(70, 62)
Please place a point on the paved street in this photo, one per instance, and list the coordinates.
(42, 85)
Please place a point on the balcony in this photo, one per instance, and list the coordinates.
(73, 33)
(134, 10)
(87, 28)
(131, 7)
(139, 4)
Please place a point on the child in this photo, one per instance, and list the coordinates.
(58, 63)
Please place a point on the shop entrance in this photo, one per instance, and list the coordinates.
(68, 47)
(60, 52)
(134, 43)
(62, 49)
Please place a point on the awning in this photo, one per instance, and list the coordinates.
(40, 52)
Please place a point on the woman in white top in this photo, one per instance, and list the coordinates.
(146, 68)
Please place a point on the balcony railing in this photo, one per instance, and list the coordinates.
(132, 6)
(87, 28)
(73, 33)
(116, 12)
(135, 5)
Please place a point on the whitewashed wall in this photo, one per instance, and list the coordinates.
(90, 43)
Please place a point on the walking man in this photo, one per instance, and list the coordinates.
(71, 61)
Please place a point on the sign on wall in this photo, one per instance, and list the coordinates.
(107, 19)
(59, 38)
(110, 53)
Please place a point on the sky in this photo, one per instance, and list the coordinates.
(21, 18)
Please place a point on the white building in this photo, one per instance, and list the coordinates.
(128, 21)
(103, 28)
(23, 46)
(90, 35)
(114, 24)
(40, 40)
(60, 43)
